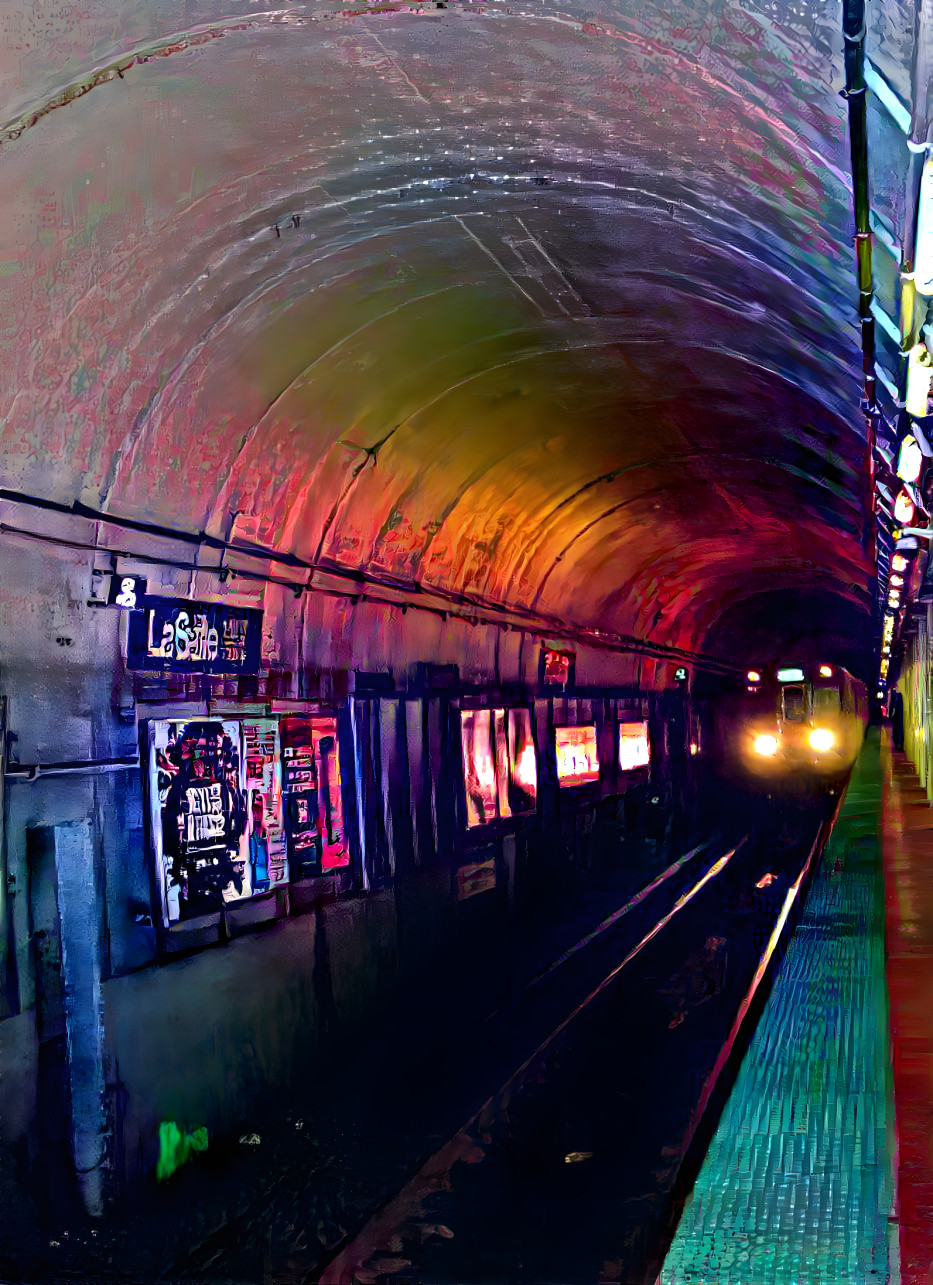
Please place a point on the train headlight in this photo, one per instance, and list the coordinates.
(766, 745)
(822, 739)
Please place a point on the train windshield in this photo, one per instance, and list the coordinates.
(825, 700)
(794, 703)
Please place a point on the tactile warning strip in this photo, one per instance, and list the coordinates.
(797, 1183)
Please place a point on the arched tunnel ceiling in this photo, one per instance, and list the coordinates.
(567, 320)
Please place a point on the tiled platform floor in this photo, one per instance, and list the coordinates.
(797, 1185)
(908, 871)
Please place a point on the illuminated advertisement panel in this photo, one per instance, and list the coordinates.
(523, 766)
(499, 766)
(478, 766)
(199, 820)
(634, 748)
(577, 758)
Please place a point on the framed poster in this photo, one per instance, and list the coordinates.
(198, 816)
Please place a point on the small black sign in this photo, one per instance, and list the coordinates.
(181, 637)
(127, 591)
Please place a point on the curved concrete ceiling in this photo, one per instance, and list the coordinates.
(566, 320)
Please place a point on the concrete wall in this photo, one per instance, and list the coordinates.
(207, 1039)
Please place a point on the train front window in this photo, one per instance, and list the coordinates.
(794, 704)
(825, 701)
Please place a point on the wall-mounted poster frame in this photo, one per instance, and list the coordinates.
(634, 745)
(499, 764)
(577, 754)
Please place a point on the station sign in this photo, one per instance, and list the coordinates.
(174, 635)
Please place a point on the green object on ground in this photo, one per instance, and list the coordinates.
(175, 1147)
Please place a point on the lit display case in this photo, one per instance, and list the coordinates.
(499, 765)
(634, 747)
(577, 755)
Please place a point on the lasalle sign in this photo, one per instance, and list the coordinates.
(181, 637)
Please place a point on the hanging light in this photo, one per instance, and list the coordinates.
(910, 459)
(826, 671)
(898, 562)
(753, 676)
(897, 581)
(904, 508)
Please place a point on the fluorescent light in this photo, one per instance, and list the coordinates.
(923, 257)
(919, 372)
(910, 459)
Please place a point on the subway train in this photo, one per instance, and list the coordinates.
(794, 726)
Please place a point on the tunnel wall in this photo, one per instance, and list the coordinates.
(205, 1026)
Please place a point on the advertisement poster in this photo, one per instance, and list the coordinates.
(199, 819)
(577, 757)
(330, 799)
(267, 855)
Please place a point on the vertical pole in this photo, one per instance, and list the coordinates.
(78, 909)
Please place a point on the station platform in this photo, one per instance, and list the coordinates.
(820, 1169)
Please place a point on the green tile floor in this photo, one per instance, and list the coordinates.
(797, 1185)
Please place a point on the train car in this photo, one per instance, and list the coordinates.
(795, 725)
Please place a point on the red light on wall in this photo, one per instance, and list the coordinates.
(557, 668)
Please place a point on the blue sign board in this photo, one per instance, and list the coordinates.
(176, 636)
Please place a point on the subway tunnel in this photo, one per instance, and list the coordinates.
(462, 370)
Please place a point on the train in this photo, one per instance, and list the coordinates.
(793, 726)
